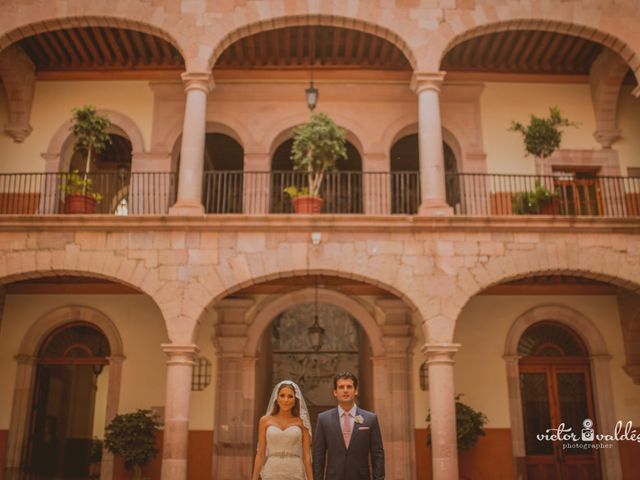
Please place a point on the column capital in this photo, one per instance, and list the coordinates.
(440, 353)
(421, 81)
(180, 354)
(198, 81)
(26, 359)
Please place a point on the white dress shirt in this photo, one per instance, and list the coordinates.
(352, 416)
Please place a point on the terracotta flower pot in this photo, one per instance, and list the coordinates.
(79, 204)
(307, 204)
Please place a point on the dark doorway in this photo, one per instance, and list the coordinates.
(223, 174)
(62, 421)
(555, 384)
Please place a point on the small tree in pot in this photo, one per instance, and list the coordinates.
(317, 146)
(542, 136)
(469, 425)
(132, 437)
(90, 130)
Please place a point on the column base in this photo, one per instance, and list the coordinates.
(187, 209)
(435, 208)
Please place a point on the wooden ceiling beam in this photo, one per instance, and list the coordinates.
(142, 57)
(125, 40)
(102, 45)
(91, 46)
(113, 43)
(64, 59)
(66, 43)
(80, 47)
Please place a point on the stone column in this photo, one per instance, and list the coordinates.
(235, 420)
(517, 427)
(113, 401)
(50, 186)
(20, 411)
(443, 409)
(176, 410)
(376, 184)
(396, 416)
(256, 183)
(432, 184)
(197, 88)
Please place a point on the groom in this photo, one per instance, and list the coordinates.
(346, 438)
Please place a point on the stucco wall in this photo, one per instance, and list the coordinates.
(52, 106)
(502, 103)
(138, 321)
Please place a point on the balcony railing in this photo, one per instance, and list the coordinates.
(379, 193)
(563, 194)
(145, 193)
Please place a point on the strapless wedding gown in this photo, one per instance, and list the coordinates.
(284, 454)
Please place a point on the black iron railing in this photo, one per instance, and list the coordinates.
(147, 193)
(369, 193)
(563, 194)
(375, 193)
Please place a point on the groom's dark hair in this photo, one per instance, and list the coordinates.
(345, 376)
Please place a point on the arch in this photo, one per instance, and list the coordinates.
(120, 124)
(56, 318)
(25, 374)
(268, 313)
(126, 22)
(602, 389)
(486, 26)
(306, 19)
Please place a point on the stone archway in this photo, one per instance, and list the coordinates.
(26, 369)
(600, 371)
(240, 328)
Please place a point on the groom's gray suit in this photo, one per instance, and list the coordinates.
(332, 460)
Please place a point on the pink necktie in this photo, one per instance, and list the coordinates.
(346, 429)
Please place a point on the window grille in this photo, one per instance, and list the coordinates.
(424, 377)
(201, 376)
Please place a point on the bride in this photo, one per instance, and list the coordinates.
(284, 437)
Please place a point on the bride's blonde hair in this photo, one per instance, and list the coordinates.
(295, 411)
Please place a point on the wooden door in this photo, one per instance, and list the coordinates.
(555, 393)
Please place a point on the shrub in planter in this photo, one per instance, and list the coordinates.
(317, 146)
(469, 425)
(540, 200)
(132, 437)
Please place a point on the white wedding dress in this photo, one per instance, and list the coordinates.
(284, 454)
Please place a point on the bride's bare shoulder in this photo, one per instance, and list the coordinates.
(265, 419)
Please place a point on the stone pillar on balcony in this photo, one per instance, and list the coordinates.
(176, 411)
(392, 373)
(256, 183)
(151, 186)
(113, 400)
(443, 410)
(235, 395)
(50, 187)
(432, 181)
(197, 88)
(20, 414)
(376, 184)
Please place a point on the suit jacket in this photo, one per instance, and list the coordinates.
(332, 460)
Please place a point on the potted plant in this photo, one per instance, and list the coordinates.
(469, 425)
(132, 436)
(542, 136)
(90, 130)
(79, 196)
(540, 200)
(317, 145)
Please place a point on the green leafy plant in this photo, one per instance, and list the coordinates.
(90, 130)
(531, 202)
(76, 184)
(294, 192)
(543, 135)
(469, 425)
(132, 437)
(317, 146)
